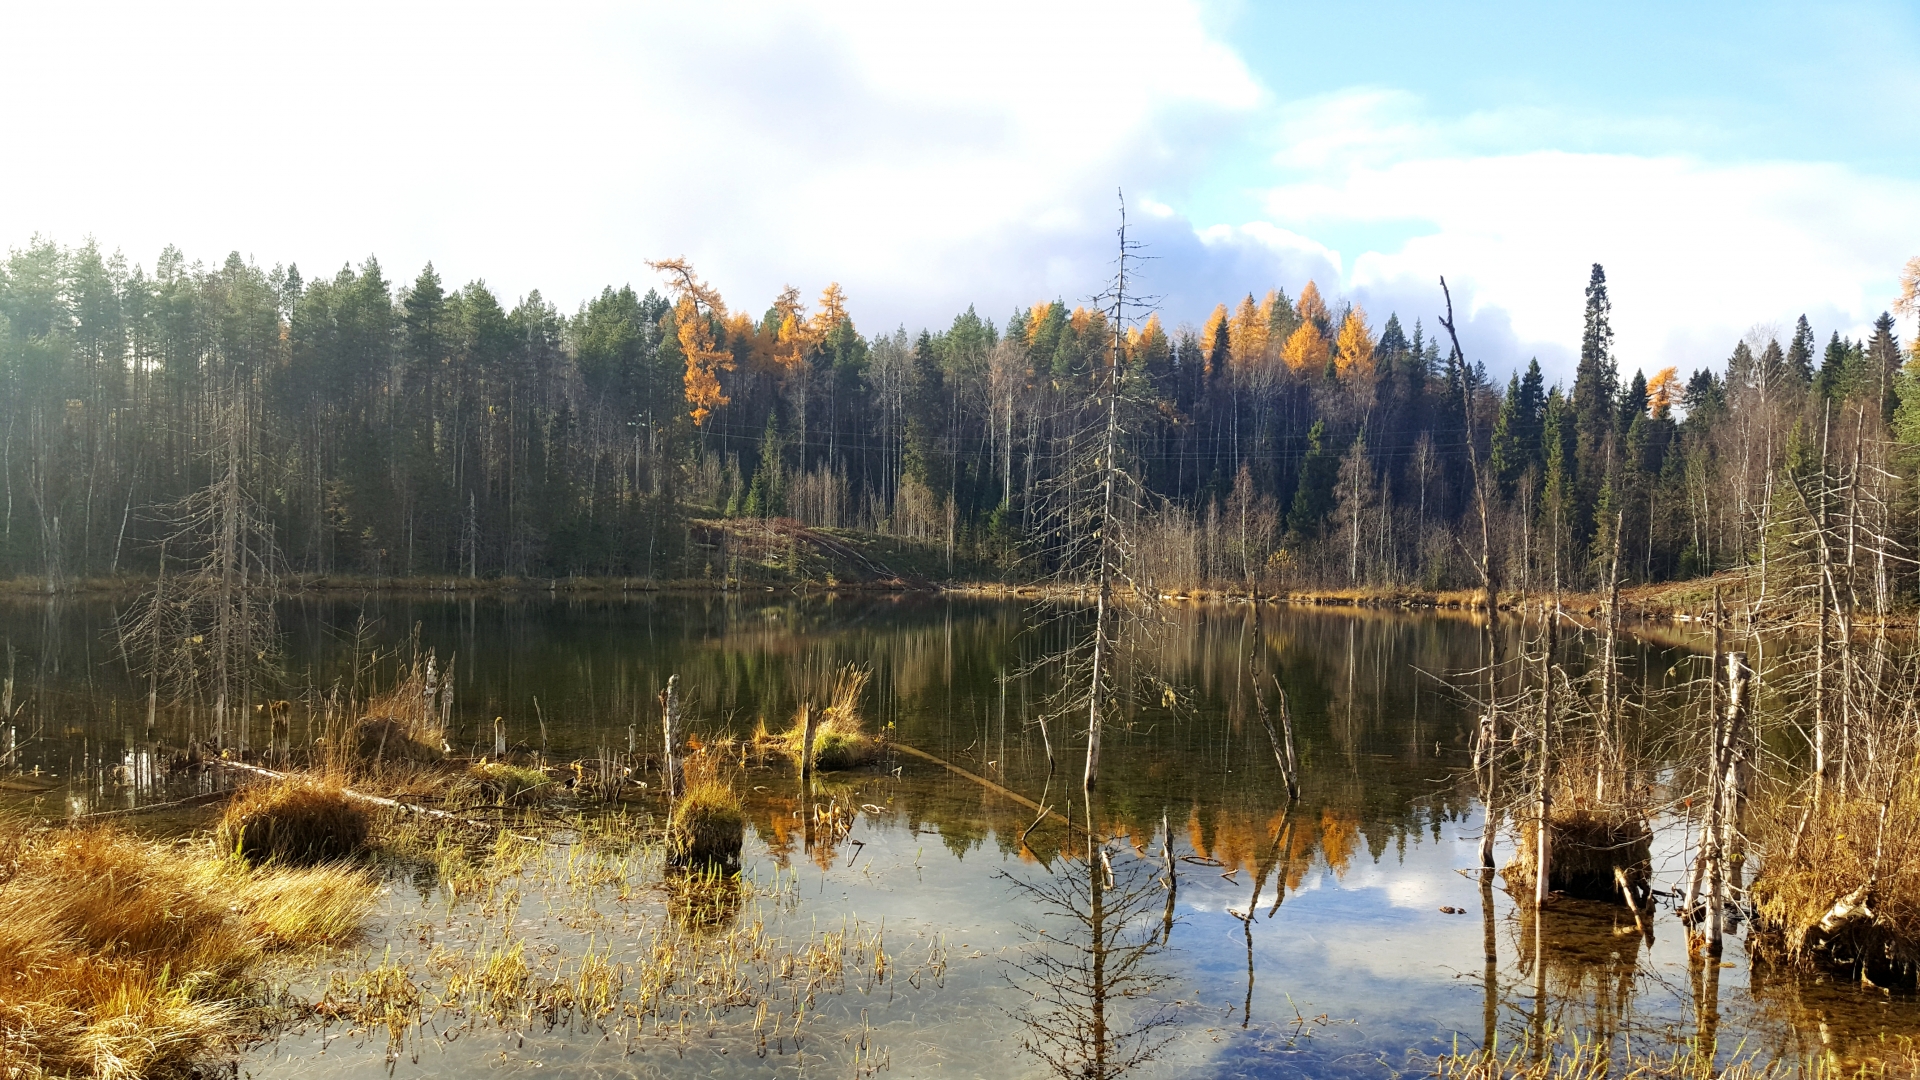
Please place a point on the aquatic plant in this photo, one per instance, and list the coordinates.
(708, 824)
(840, 738)
(510, 785)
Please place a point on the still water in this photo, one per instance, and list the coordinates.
(1346, 936)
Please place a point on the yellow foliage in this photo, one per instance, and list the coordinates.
(696, 306)
(1661, 390)
(1311, 307)
(1215, 335)
(1247, 341)
(1353, 349)
(1306, 350)
(705, 361)
(1147, 340)
(833, 311)
(1909, 302)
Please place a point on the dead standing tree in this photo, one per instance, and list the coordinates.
(1087, 519)
(208, 634)
(1486, 751)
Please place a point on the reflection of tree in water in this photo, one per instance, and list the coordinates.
(1582, 960)
(1086, 968)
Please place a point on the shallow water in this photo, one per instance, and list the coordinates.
(1347, 964)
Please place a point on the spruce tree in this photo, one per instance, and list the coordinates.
(1800, 354)
(1313, 496)
(1595, 383)
(1883, 363)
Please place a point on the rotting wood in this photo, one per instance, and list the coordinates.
(997, 789)
(372, 800)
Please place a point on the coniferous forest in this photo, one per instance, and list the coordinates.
(408, 427)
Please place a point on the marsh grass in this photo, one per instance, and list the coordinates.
(708, 825)
(295, 822)
(840, 739)
(506, 784)
(1863, 849)
(624, 947)
(1589, 1059)
(127, 958)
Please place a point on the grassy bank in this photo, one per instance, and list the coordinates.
(125, 957)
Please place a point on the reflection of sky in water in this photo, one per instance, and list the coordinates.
(1356, 969)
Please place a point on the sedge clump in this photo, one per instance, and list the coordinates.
(840, 738)
(508, 784)
(707, 826)
(293, 823)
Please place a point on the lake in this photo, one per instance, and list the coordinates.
(1347, 935)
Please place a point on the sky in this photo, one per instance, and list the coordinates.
(1733, 166)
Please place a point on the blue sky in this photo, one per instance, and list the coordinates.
(1732, 165)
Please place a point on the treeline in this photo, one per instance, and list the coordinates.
(416, 428)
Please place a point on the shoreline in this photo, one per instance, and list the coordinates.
(1674, 601)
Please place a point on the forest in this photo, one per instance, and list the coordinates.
(409, 428)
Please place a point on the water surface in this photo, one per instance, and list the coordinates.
(1308, 940)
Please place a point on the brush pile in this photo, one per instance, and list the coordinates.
(124, 958)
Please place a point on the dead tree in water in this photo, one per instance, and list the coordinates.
(209, 632)
(1721, 805)
(1087, 522)
(1488, 741)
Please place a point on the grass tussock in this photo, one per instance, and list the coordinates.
(510, 785)
(124, 958)
(1586, 846)
(708, 825)
(840, 738)
(293, 823)
(1846, 894)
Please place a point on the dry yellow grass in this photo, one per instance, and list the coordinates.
(1584, 1059)
(1861, 849)
(293, 822)
(124, 958)
(840, 739)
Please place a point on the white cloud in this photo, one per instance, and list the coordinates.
(924, 156)
(1695, 252)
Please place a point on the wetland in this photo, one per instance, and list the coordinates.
(956, 906)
